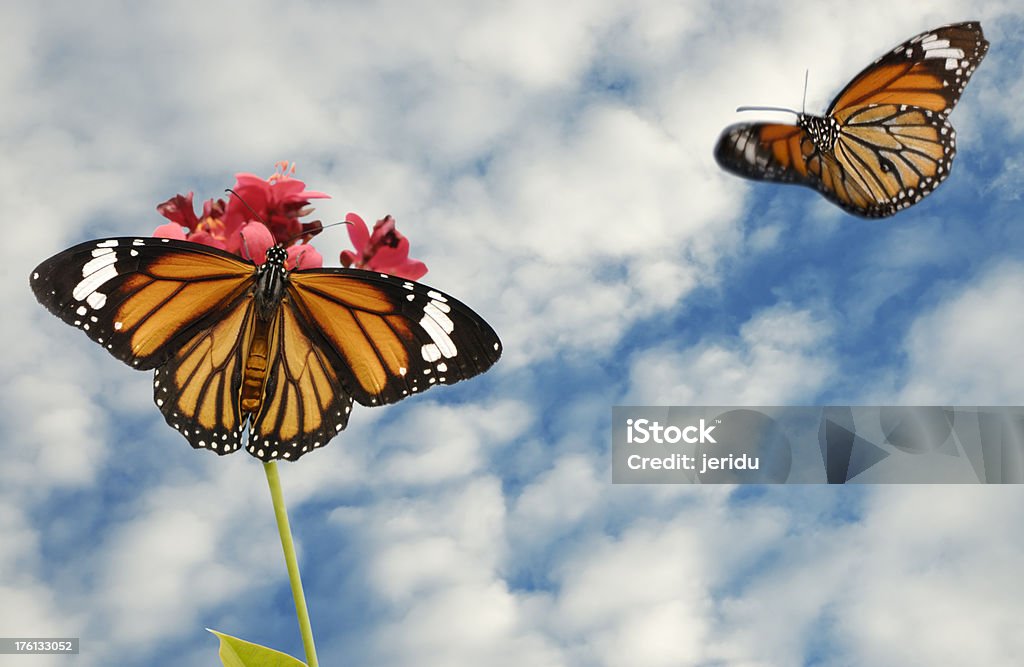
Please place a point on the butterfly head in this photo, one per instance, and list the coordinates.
(824, 131)
(277, 255)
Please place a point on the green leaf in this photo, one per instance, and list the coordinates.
(235, 652)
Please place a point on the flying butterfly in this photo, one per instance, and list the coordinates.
(884, 143)
(282, 353)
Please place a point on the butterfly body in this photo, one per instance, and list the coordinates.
(884, 143)
(281, 353)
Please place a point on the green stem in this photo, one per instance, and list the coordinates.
(293, 565)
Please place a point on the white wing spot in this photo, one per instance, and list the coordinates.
(435, 314)
(101, 257)
(92, 282)
(118, 325)
(112, 243)
(81, 310)
(430, 352)
(97, 300)
(437, 296)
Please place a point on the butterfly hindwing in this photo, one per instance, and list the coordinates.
(888, 158)
(198, 388)
(305, 404)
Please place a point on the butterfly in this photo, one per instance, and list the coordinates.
(281, 353)
(884, 142)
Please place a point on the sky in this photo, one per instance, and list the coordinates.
(552, 165)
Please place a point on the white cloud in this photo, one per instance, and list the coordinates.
(779, 357)
(940, 585)
(964, 350)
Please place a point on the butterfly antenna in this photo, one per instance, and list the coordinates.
(314, 231)
(783, 109)
(803, 105)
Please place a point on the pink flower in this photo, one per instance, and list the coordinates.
(278, 202)
(209, 229)
(265, 212)
(386, 250)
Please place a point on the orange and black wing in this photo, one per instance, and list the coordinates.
(390, 337)
(767, 152)
(141, 298)
(886, 157)
(928, 71)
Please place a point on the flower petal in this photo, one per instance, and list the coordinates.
(304, 256)
(179, 209)
(207, 238)
(348, 258)
(254, 240)
(357, 232)
(172, 230)
(411, 269)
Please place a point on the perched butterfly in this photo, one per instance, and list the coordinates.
(282, 352)
(884, 143)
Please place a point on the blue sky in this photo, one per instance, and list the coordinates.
(552, 165)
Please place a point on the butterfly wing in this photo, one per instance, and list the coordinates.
(886, 158)
(198, 387)
(766, 152)
(928, 71)
(392, 337)
(141, 298)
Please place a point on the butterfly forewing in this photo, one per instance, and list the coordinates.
(764, 151)
(929, 71)
(392, 337)
(140, 298)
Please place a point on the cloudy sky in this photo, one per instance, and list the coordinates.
(552, 164)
